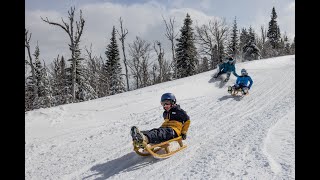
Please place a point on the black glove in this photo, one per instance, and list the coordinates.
(184, 136)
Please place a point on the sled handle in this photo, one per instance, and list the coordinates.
(179, 139)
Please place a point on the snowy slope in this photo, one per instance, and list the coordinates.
(229, 137)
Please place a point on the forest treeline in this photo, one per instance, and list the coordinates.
(194, 49)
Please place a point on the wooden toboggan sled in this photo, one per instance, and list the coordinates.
(161, 150)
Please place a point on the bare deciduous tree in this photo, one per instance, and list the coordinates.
(139, 51)
(215, 33)
(94, 68)
(160, 54)
(74, 41)
(219, 30)
(27, 45)
(171, 35)
(154, 74)
(206, 41)
(122, 35)
(261, 42)
(263, 34)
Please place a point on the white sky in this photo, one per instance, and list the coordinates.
(229, 138)
(143, 18)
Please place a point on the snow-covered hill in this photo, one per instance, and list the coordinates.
(229, 137)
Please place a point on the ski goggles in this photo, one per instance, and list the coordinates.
(166, 102)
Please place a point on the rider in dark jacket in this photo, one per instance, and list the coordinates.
(176, 123)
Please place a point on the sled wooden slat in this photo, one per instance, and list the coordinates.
(235, 93)
(149, 149)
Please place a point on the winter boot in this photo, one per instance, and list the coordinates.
(245, 91)
(138, 138)
(229, 89)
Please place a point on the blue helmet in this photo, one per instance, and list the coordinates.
(168, 96)
(244, 72)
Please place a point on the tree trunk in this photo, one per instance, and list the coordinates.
(74, 43)
(122, 37)
(27, 45)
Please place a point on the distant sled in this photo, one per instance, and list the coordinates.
(238, 92)
(161, 150)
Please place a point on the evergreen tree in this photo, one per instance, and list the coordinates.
(233, 47)
(102, 78)
(186, 51)
(28, 92)
(65, 83)
(285, 46)
(244, 39)
(61, 89)
(95, 71)
(274, 30)
(38, 71)
(204, 65)
(46, 100)
(287, 49)
(113, 66)
(81, 86)
(293, 46)
(251, 50)
(85, 91)
(74, 36)
(38, 103)
(42, 82)
(30, 96)
(30, 81)
(56, 88)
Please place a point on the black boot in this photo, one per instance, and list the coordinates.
(229, 89)
(137, 137)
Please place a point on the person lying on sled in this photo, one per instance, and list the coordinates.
(227, 67)
(176, 123)
(242, 82)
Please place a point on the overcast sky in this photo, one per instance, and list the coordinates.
(143, 18)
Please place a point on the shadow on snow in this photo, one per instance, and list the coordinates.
(237, 98)
(219, 79)
(126, 163)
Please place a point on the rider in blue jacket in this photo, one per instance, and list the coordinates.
(227, 67)
(242, 82)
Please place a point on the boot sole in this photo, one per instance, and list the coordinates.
(135, 134)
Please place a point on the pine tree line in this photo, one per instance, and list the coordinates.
(195, 49)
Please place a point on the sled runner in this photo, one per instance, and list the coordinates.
(161, 150)
(237, 92)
